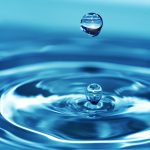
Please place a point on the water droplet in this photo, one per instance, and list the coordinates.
(94, 93)
(91, 23)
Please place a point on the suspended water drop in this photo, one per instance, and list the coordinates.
(92, 23)
(94, 93)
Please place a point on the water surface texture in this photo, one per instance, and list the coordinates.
(47, 63)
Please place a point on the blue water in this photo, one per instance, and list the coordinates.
(47, 62)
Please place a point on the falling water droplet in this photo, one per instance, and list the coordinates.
(94, 93)
(92, 23)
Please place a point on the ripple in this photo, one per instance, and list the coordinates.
(50, 101)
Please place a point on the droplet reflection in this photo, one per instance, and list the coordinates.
(92, 23)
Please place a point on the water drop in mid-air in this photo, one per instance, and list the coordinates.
(91, 23)
(94, 93)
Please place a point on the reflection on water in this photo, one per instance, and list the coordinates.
(44, 75)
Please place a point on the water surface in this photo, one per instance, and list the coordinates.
(47, 62)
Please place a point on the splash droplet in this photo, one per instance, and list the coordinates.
(92, 23)
(94, 93)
